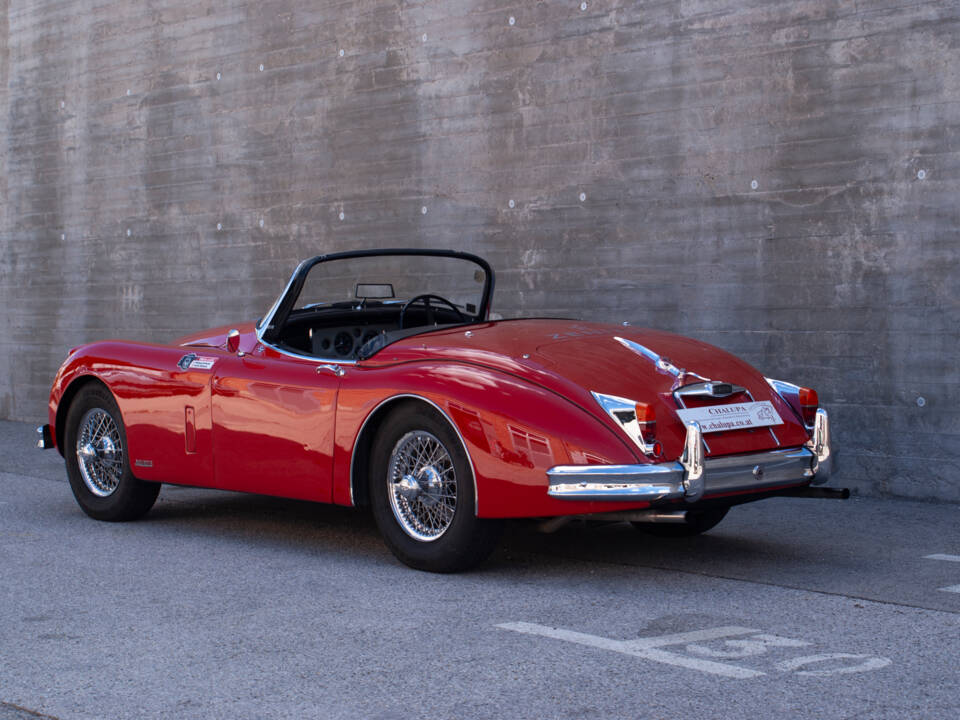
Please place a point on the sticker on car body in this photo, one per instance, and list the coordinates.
(717, 418)
(192, 361)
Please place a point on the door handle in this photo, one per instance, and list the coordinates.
(331, 367)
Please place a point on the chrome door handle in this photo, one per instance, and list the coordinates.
(332, 367)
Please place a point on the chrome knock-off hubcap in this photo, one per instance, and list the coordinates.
(422, 485)
(99, 452)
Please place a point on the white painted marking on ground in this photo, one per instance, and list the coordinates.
(756, 645)
(648, 648)
(690, 637)
(869, 663)
(947, 558)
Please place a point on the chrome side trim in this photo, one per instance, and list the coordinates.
(463, 443)
(312, 358)
(666, 481)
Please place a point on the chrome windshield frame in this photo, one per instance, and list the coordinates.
(275, 318)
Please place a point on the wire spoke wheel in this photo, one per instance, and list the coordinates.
(422, 485)
(98, 458)
(100, 452)
(422, 492)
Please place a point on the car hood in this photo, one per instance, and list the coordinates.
(577, 358)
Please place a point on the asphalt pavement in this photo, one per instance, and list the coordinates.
(222, 605)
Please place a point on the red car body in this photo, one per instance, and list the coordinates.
(251, 416)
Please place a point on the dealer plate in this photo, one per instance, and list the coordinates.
(717, 418)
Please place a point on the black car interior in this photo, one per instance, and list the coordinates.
(357, 329)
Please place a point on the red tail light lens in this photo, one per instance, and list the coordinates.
(809, 402)
(647, 420)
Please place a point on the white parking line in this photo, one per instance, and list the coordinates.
(947, 558)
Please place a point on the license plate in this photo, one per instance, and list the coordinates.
(717, 418)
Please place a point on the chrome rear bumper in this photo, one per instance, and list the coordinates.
(691, 477)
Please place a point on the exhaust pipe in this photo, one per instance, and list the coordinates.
(551, 525)
(823, 493)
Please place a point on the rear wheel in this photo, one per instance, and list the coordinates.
(422, 493)
(698, 521)
(98, 464)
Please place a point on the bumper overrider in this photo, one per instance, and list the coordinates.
(691, 477)
(45, 442)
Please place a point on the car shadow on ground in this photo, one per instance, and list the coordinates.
(311, 526)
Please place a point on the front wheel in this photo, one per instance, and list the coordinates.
(698, 521)
(98, 463)
(422, 493)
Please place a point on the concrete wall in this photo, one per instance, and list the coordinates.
(778, 178)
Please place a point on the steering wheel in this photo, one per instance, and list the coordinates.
(426, 298)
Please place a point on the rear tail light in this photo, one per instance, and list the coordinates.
(647, 420)
(638, 420)
(809, 402)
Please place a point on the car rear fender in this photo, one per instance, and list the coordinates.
(513, 432)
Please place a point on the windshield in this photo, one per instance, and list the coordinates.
(393, 280)
(349, 305)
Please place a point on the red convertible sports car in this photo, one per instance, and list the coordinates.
(377, 378)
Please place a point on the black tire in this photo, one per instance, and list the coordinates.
(99, 470)
(698, 521)
(440, 506)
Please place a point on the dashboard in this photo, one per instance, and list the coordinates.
(344, 342)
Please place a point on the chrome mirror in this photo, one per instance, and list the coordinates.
(233, 340)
